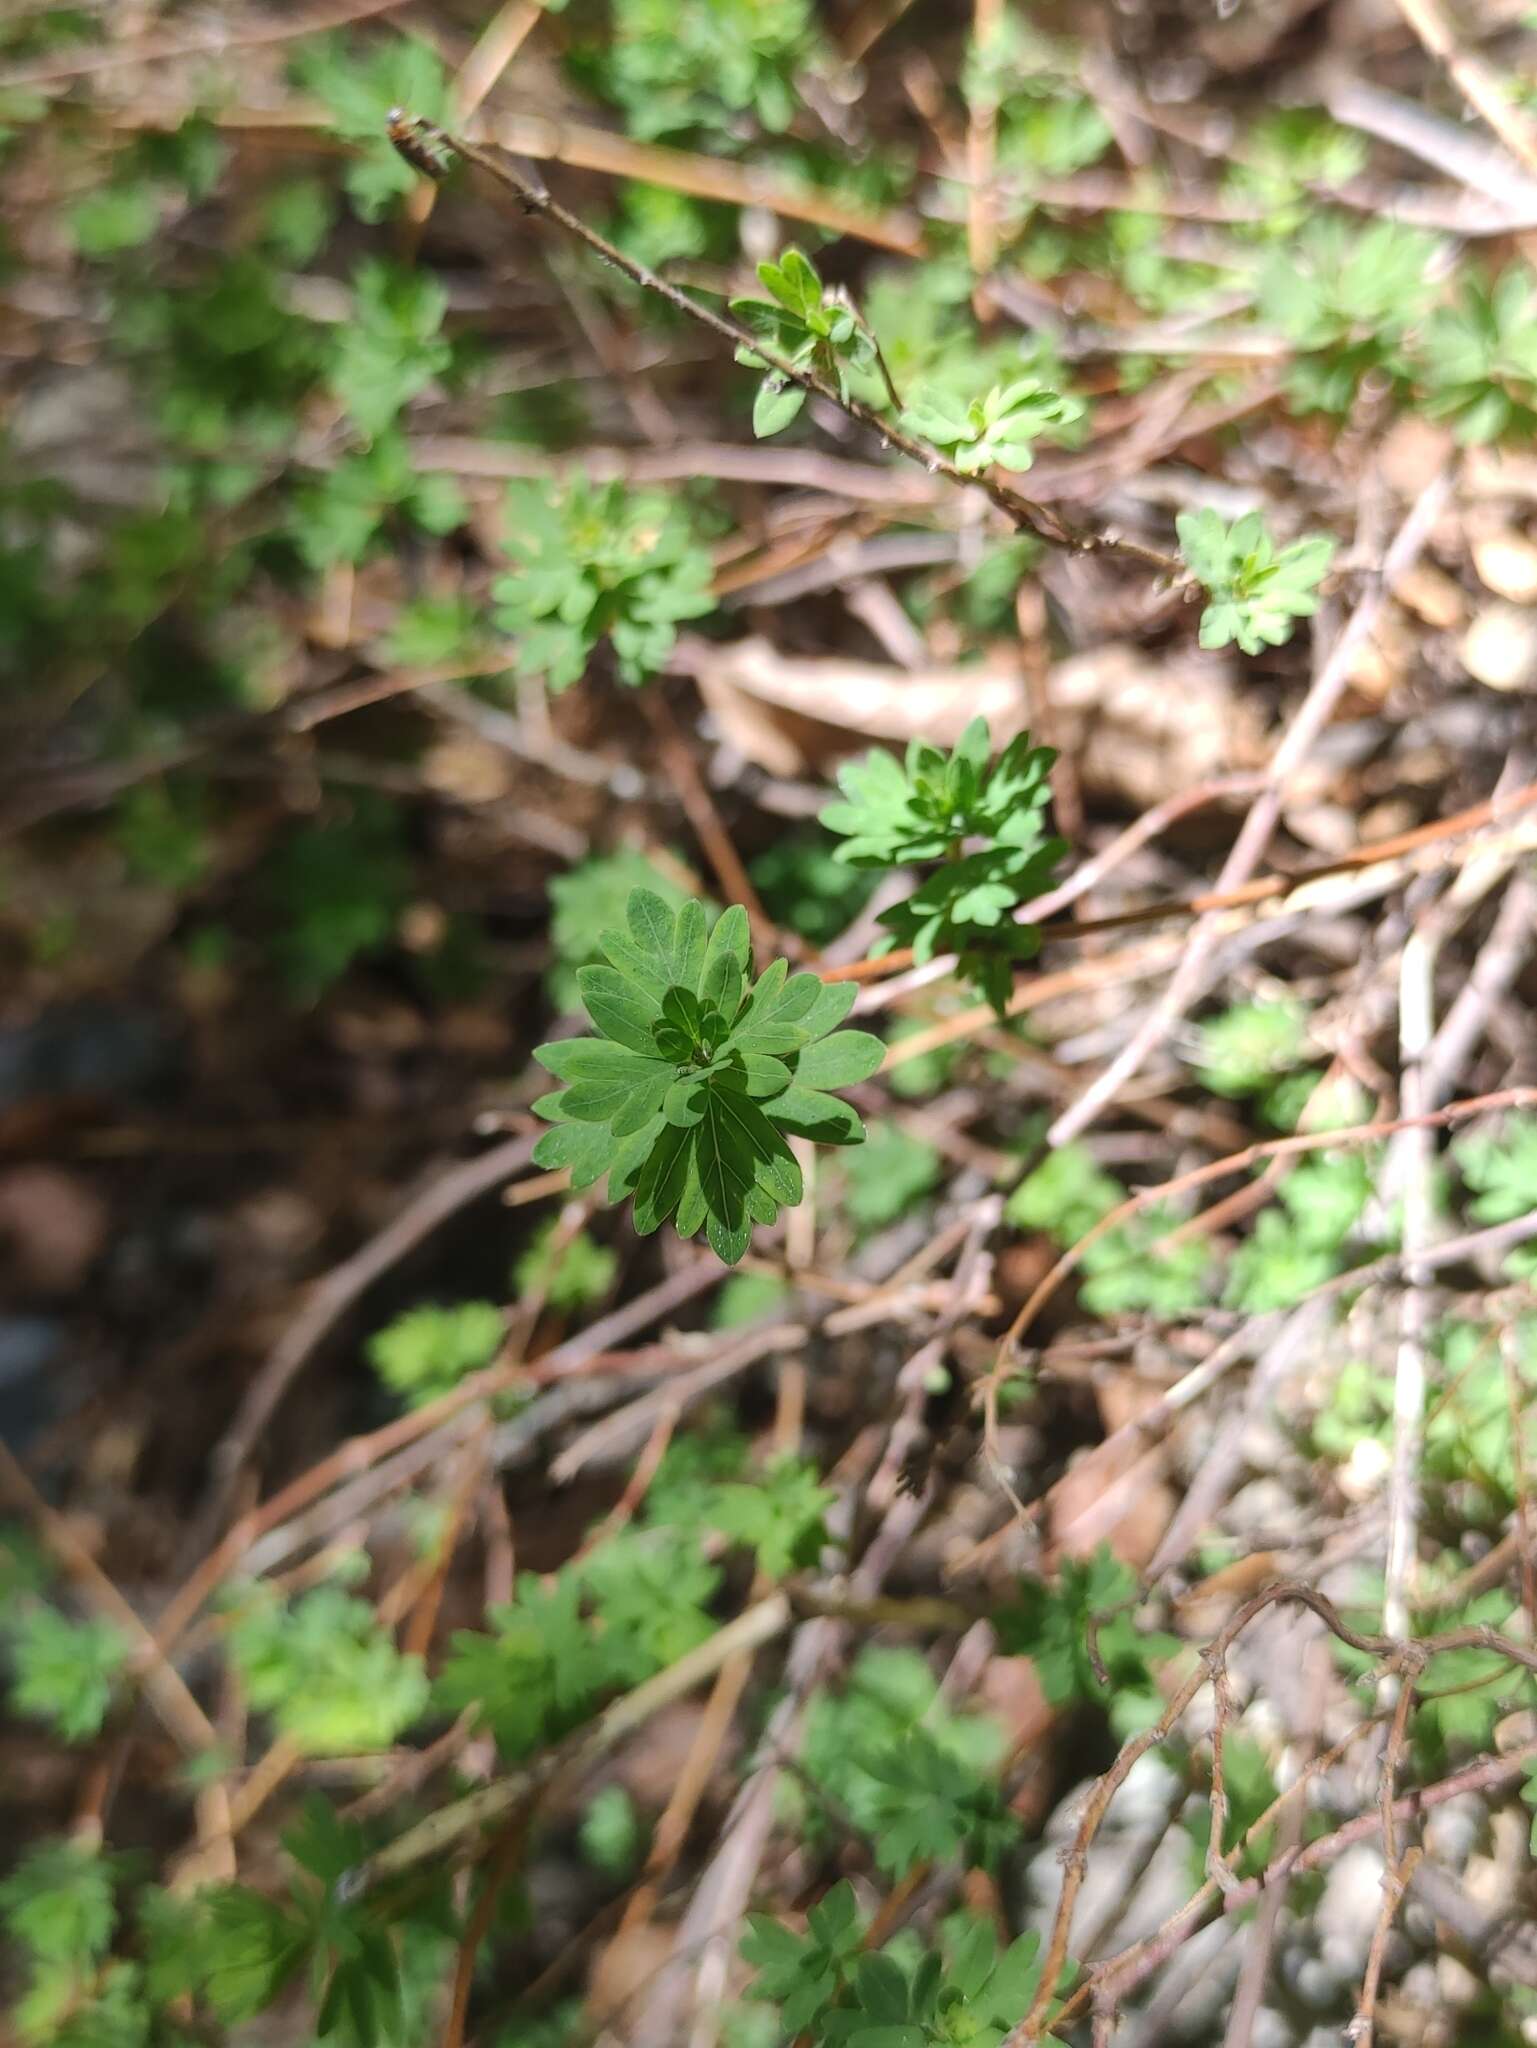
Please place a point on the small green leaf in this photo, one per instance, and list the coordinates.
(777, 404)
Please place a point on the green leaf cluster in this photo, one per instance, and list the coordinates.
(595, 562)
(63, 1671)
(706, 69)
(1478, 360)
(687, 1098)
(1050, 1625)
(1481, 1429)
(971, 2000)
(239, 1950)
(982, 820)
(429, 1350)
(58, 1906)
(1250, 1786)
(1284, 154)
(829, 1988)
(920, 1781)
(224, 360)
(1345, 296)
(803, 1974)
(392, 347)
(811, 328)
(1500, 1166)
(611, 1834)
(804, 887)
(338, 515)
(162, 828)
(780, 1515)
(1463, 1695)
(359, 80)
(574, 1275)
(889, 1174)
(1300, 1245)
(1066, 1195)
(1243, 1047)
(337, 888)
(1255, 591)
(1133, 1268)
(599, 1626)
(997, 428)
(326, 1670)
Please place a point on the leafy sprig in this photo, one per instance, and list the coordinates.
(807, 326)
(999, 427)
(687, 1099)
(595, 562)
(1255, 591)
(984, 821)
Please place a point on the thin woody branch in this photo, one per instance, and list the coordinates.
(428, 148)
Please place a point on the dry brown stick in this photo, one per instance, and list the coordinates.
(637, 1486)
(1451, 1251)
(1415, 1149)
(493, 50)
(1395, 1875)
(801, 469)
(499, 1866)
(1152, 824)
(1500, 960)
(1254, 1967)
(1263, 889)
(1022, 512)
(163, 1685)
(981, 144)
(1129, 1966)
(357, 1454)
(442, 1833)
(1237, 1162)
(1316, 710)
(1474, 80)
(1145, 1956)
(672, 1829)
(331, 1298)
(1406, 1656)
(730, 1357)
(699, 807)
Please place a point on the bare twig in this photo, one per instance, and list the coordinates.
(1416, 1031)
(1022, 512)
(1395, 1876)
(1317, 708)
(1474, 80)
(444, 1832)
(335, 1294)
(1395, 1654)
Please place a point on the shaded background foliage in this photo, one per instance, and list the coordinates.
(387, 591)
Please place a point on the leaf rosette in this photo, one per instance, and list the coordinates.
(698, 1075)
